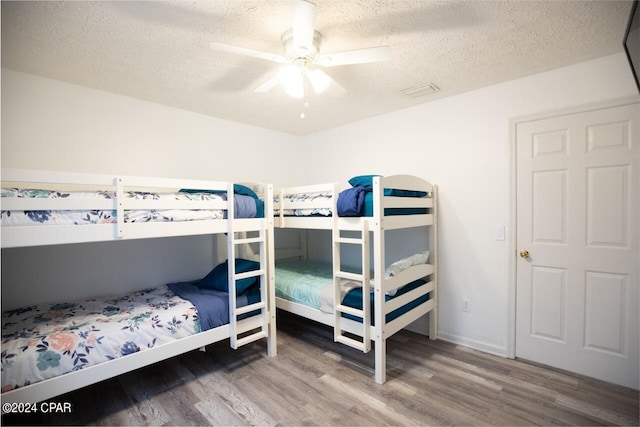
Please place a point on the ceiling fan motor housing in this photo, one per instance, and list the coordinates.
(295, 53)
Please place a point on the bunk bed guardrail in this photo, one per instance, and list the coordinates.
(113, 200)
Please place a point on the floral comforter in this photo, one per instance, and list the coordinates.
(53, 217)
(304, 197)
(44, 341)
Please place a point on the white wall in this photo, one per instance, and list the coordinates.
(462, 144)
(51, 125)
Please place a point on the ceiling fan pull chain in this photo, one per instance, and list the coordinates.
(305, 102)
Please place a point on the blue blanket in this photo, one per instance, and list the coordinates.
(212, 305)
(358, 201)
(351, 201)
(246, 207)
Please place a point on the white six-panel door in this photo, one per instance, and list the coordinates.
(577, 216)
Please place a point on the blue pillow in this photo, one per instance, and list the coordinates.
(362, 181)
(218, 278)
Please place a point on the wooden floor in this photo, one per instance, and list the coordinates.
(314, 381)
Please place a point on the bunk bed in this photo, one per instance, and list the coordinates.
(383, 295)
(51, 349)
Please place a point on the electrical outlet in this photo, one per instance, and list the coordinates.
(466, 305)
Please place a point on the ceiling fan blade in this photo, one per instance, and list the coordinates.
(247, 52)
(335, 89)
(322, 82)
(358, 56)
(304, 21)
(268, 85)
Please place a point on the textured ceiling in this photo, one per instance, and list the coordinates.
(159, 51)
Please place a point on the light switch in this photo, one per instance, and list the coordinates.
(498, 232)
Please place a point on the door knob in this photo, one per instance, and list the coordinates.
(524, 253)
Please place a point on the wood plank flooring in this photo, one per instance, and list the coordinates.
(314, 381)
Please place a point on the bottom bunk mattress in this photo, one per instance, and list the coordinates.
(310, 283)
(48, 340)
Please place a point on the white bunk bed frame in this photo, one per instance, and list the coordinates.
(240, 332)
(377, 224)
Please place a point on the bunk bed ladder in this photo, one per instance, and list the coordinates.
(363, 278)
(246, 330)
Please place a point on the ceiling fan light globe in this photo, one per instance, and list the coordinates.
(319, 80)
(292, 80)
(287, 74)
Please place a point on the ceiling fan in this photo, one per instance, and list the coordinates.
(301, 45)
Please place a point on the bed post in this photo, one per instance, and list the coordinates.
(433, 246)
(270, 277)
(378, 276)
(304, 242)
(231, 267)
(381, 360)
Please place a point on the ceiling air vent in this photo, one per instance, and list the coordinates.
(421, 90)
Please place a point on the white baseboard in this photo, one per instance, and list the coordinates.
(475, 344)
